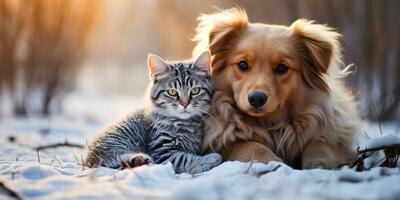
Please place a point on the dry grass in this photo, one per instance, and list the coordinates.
(392, 154)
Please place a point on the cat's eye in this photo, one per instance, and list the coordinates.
(172, 92)
(195, 90)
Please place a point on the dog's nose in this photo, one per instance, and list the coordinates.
(257, 99)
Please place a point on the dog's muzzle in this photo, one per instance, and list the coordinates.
(257, 99)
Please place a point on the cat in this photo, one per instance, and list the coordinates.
(170, 130)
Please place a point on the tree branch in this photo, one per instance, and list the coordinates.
(64, 144)
(361, 154)
(9, 191)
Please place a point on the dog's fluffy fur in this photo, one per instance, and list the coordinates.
(310, 119)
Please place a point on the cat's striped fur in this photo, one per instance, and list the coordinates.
(171, 130)
(113, 146)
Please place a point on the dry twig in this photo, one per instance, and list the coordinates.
(10, 192)
(64, 144)
(392, 154)
(83, 163)
(258, 174)
(248, 168)
(38, 156)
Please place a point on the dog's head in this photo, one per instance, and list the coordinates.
(264, 67)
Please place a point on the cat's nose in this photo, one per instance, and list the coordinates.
(184, 103)
(257, 99)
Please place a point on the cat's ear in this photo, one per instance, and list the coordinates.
(156, 65)
(203, 61)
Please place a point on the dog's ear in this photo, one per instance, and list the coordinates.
(218, 33)
(319, 48)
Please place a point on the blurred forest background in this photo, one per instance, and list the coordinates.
(50, 48)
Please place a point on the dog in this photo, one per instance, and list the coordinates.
(279, 92)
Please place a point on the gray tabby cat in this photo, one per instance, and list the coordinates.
(171, 130)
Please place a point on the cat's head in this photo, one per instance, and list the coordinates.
(181, 89)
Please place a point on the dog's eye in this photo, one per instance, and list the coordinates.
(243, 65)
(281, 69)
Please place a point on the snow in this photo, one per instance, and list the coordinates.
(386, 140)
(60, 174)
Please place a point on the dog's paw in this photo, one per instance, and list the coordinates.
(275, 158)
(135, 160)
(322, 164)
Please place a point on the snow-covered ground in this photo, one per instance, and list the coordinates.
(58, 173)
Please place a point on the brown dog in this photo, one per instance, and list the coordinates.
(279, 94)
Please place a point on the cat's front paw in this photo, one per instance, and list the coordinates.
(214, 159)
(135, 160)
(209, 161)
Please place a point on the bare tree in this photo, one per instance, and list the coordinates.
(53, 35)
(11, 30)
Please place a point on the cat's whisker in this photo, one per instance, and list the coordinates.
(204, 119)
(205, 112)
